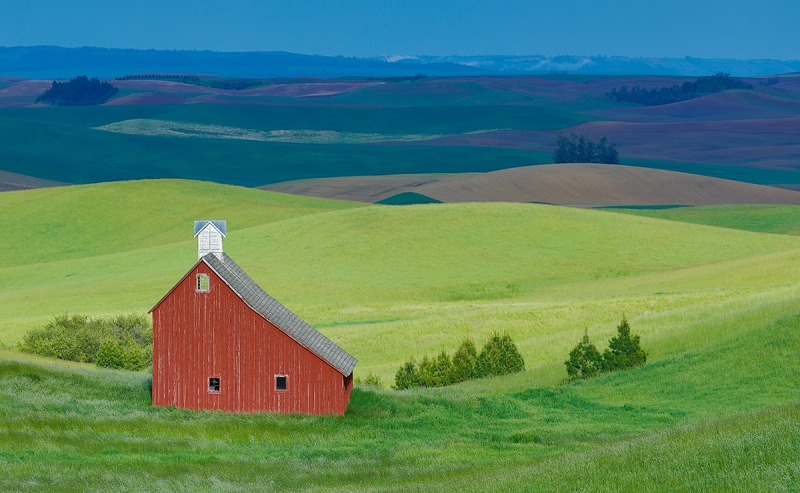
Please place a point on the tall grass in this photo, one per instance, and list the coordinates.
(718, 311)
(66, 428)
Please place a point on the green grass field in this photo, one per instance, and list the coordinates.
(780, 219)
(718, 309)
(62, 144)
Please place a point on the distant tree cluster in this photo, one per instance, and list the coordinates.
(186, 79)
(499, 356)
(216, 83)
(688, 90)
(80, 91)
(124, 342)
(574, 149)
(623, 352)
(402, 78)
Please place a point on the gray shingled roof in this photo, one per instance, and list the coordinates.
(220, 225)
(279, 315)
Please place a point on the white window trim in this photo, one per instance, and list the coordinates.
(208, 385)
(197, 283)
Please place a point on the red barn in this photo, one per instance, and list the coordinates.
(221, 342)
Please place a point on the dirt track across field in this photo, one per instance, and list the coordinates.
(579, 185)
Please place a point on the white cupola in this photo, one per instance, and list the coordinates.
(209, 236)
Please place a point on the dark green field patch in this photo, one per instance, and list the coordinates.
(60, 143)
(408, 198)
(656, 207)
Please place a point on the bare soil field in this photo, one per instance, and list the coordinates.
(140, 98)
(579, 185)
(771, 143)
(734, 105)
(14, 181)
(24, 92)
(747, 135)
(292, 90)
(363, 188)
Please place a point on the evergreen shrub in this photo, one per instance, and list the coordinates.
(499, 356)
(584, 360)
(464, 361)
(624, 352)
(407, 376)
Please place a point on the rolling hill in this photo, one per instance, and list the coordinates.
(351, 269)
(581, 185)
(717, 309)
(14, 181)
(459, 125)
(779, 219)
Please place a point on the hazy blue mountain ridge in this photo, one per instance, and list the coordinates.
(46, 62)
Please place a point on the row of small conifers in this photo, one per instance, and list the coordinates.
(500, 356)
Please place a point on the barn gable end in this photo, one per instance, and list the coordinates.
(226, 344)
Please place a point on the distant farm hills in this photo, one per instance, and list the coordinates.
(57, 62)
(580, 185)
(362, 132)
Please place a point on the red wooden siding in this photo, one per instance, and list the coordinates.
(215, 334)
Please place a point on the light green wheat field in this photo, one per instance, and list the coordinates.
(715, 296)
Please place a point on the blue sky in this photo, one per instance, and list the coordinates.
(698, 28)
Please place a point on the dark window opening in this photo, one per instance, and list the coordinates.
(280, 383)
(213, 384)
(203, 283)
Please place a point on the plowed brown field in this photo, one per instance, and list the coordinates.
(580, 185)
(14, 181)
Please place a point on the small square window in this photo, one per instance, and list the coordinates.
(213, 385)
(203, 283)
(280, 382)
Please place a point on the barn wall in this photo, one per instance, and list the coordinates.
(215, 334)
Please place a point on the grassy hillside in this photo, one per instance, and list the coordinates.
(86, 221)
(434, 273)
(780, 219)
(724, 414)
(718, 310)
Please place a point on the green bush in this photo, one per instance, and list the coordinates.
(464, 361)
(110, 354)
(407, 376)
(437, 371)
(122, 342)
(371, 380)
(584, 360)
(623, 350)
(499, 356)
